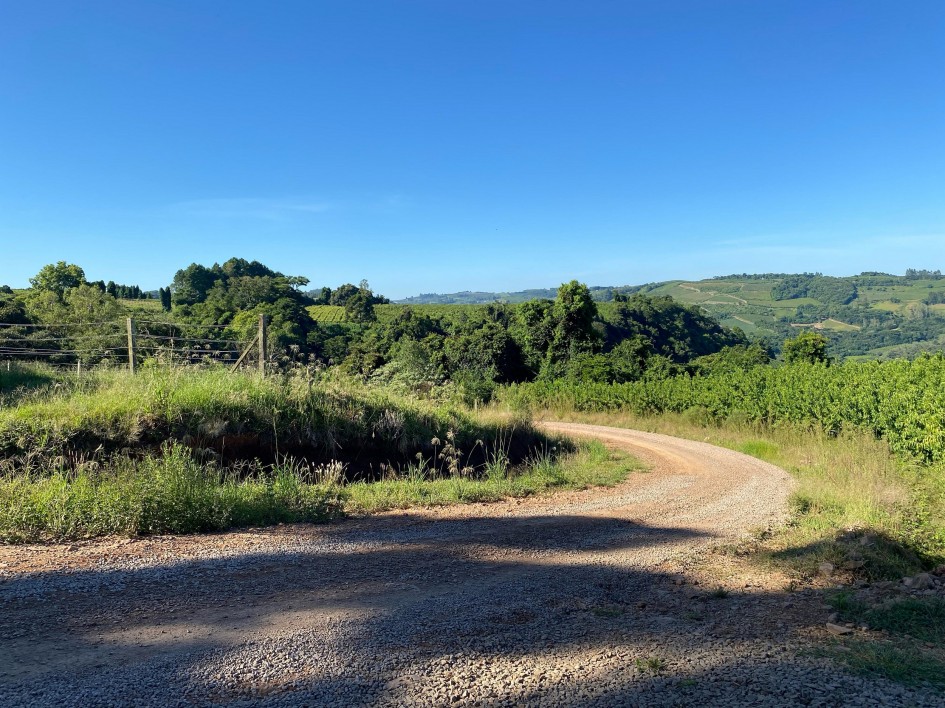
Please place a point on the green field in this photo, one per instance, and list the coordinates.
(335, 314)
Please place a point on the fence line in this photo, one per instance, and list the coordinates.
(131, 344)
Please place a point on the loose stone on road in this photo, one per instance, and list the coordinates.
(595, 597)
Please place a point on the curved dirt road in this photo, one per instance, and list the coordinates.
(580, 598)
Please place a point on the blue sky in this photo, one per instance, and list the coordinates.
(442, 145)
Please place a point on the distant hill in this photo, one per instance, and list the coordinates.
(601, 293)
(873, 315)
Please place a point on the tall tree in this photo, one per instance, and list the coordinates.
(573, 314)
(58, 277)
(809, 347)
(192, 284)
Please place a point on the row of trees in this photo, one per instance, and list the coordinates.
(60, 277)
(571, 337)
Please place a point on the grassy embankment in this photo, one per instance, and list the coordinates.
(173, 450)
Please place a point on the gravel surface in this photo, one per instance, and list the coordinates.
(598, 597)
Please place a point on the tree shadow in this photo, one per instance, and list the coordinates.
(385, 612)
(863, 553)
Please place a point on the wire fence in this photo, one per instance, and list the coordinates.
(131, 343)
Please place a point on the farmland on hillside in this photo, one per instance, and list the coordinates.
(867, 315)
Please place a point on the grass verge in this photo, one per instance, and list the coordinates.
(911, 646)
(241, 417)
(902, 661)
(855, 503)
(591, 465)
(169, 493)
(176, 493)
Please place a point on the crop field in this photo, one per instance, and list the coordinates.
(335, 314)
(327, 314)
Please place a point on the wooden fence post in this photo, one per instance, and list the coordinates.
(131, 345)
(263, 343)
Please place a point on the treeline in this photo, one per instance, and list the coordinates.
(920, 274)
(60, 293)
(125, 292)
(568, 337)
(473, 350)
(829, 290)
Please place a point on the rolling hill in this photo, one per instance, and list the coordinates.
(872, 315)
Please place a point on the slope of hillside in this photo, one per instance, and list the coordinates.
(872, 315)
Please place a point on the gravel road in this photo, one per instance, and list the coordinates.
(598, 597)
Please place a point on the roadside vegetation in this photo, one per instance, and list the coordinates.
(863, 514)
(175, 450)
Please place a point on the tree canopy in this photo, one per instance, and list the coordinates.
(57, 278)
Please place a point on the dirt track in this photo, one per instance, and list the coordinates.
(580, 598)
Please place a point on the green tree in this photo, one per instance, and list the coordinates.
(341, 294)
(165, 294)
(730, 360)
(321, 296)
(86, 303)
(57, 278)
(810, 347)
(533, 329)
(192, 284)
(628, 360)
(12, 310)
(360, 307)
(573, 313)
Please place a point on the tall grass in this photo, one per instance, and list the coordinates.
(592, 465)
(175, 450)
(168, 493)
(174, 492)
(21, 379)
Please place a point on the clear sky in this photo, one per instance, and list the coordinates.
(443, 145)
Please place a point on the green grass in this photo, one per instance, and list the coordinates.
(921, 618)
(160, 452)
(902, 662)
(592, 465)
(911, 649)
(174, 492)
(23, 378)
(169, 493)
(149, 306)
(328, 418)
(651, 664)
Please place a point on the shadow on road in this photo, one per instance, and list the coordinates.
(363, 613)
